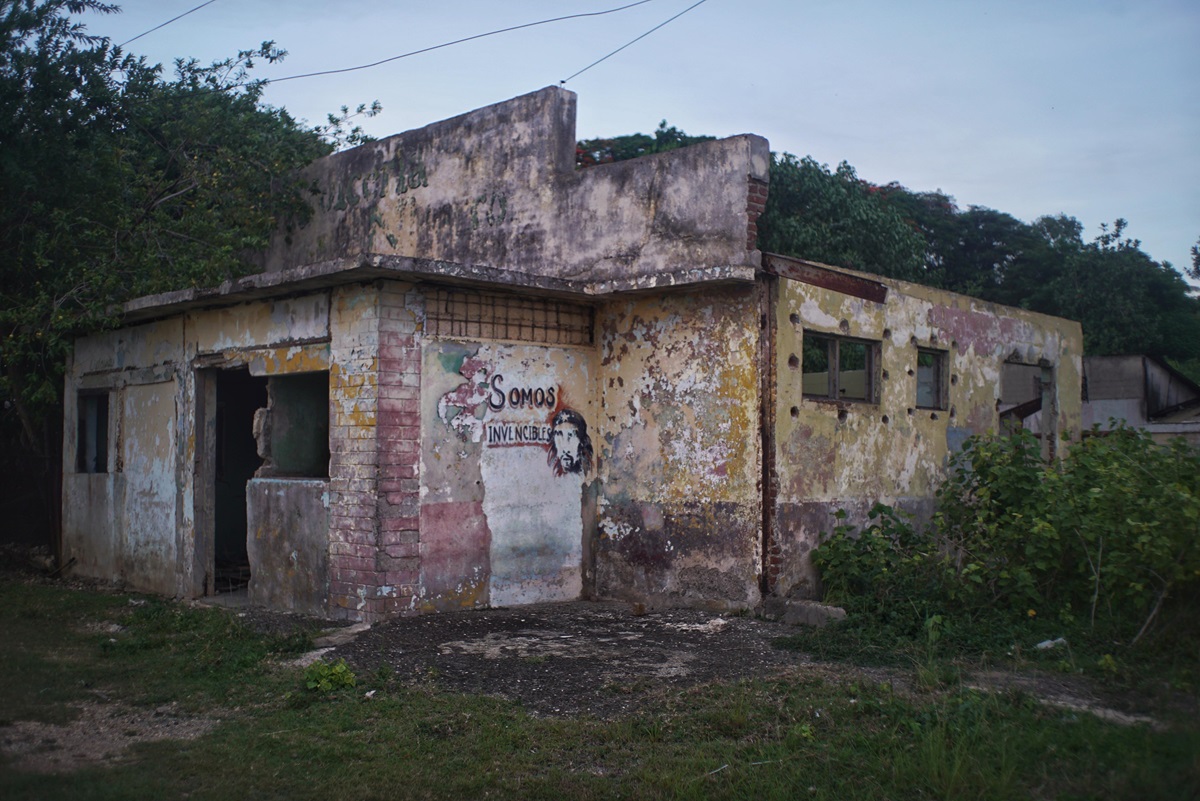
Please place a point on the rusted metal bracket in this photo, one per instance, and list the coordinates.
(824, 277)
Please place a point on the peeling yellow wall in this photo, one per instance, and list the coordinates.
(267, 322)
(679, 512)
(847, 454)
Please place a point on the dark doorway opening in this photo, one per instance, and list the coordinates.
(235, 459)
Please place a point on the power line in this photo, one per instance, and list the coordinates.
(460, 41)
(165, 24)
(633, 41)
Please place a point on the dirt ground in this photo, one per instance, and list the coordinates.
(570, 658)
(601, 659)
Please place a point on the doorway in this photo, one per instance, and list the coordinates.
(234, 461)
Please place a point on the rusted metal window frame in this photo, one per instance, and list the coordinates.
(941, 372)
(833, 352)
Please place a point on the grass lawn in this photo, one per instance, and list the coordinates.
(68, 651)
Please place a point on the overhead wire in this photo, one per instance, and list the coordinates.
(168, 22)
(460, 41)
(457, 41)
(632, 41)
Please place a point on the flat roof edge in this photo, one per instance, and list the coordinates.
(371, 267)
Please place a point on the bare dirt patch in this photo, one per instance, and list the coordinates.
(101, 734)
(601, 659)
(571, 658)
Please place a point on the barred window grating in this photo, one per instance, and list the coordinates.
(466, 314)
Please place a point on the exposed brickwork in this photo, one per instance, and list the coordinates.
(353, 446)
(374, 392)
(398, 429)
(774, 564)
(756, 202)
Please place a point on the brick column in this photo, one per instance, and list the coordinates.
(374, 394)
(756, 202)
(401, 315)
(353, 451)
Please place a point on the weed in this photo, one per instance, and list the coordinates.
(384, 675)
(323, 677)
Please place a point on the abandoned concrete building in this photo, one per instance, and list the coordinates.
(1143, 392)
(481, 376)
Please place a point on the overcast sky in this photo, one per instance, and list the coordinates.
(1032, 107)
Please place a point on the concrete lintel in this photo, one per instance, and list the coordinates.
(127, 377)
(733, 273)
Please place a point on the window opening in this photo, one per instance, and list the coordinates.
(91, 448)
(815, 366)
(297, 434)
(854, 371)
(931, 379)
(837, 368)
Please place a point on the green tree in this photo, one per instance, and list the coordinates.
(1194, 271)
(979, 251)
(118, 182)
(1127, 302)
(589, 152)
(834, 217)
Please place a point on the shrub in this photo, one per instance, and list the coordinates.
(323, 677)
(1103, 540)
(888, 569)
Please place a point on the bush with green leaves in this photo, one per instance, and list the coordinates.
(1102, 541)
(323, 677)
(888, 569)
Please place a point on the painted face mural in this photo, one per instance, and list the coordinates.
(570, 446)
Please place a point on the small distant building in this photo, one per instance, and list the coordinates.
(1142, 391)
(481, 376)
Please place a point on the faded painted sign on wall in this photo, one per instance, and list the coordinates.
(506, 451)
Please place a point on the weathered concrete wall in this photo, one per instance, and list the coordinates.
(680, 508)
(843, 454)
(120, 525)
(288, 544)
(498, 188)
(506, 452)
(137, 522)
(254, 325)
(148, 463)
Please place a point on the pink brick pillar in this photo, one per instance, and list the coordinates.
(374, 395)
(399, 430)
